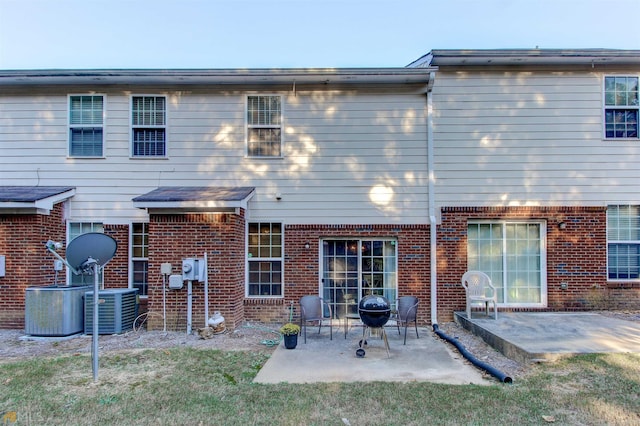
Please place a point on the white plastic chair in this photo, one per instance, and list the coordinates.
(475, 284)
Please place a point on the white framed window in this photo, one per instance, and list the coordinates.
(623, 242)
(513, 254)
(264, 126)
(86, 125)
(265, 259)
(140, 257)
(74, 230)
(148, 126)
(621, 107)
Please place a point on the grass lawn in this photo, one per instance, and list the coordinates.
(189, 387)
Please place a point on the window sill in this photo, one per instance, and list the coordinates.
(69, 157)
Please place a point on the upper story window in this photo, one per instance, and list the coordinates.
(264, 126)
(623, 242)
(621, 107)
(86, 116)
(149, 126)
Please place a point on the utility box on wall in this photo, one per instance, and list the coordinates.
(193, 269)
(2, 266)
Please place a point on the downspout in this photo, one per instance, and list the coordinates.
(504, 378)
(433, 248)
(433, 231)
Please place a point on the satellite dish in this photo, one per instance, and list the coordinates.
(93, 245)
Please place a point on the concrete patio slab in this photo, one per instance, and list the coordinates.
(427, 359)
(546, 336)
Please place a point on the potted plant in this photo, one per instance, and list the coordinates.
(290, 333)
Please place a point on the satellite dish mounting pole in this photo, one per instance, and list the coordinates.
(96, 303)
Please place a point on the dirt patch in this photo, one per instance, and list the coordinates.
(14, 345)
(257, 338)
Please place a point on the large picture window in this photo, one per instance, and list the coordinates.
(149, 121)
(264, 257)
(623, 242)
(264, 126)
(86, 125)
(621, 107)
(513, 255)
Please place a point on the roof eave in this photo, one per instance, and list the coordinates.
(42, 206)
(215, 77)
(530, 57)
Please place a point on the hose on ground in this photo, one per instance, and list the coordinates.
(266, 342)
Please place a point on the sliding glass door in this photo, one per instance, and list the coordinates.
(513, 255)
(354, 268)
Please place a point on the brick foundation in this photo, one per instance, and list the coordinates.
(28, 263)
(175, 237)
(302, 268)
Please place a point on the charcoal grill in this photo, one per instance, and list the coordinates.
(374, 313)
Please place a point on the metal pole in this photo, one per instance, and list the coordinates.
(96, 302)
(206, 291)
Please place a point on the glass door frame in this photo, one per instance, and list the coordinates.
(350, 279)
(505, 270)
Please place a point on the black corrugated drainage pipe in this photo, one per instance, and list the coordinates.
(475, 361)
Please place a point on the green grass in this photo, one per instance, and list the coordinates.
(190, 386)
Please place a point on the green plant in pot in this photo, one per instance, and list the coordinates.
(290, 329)
(290, 333)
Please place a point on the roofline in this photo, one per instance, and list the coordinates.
(214, 76)
(41, 206)
(196, 206)
(516, 57)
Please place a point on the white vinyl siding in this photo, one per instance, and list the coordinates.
(349, 158)
(527, 138)
(86, 115)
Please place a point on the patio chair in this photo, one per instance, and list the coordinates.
(407, 312)
(476, 284)
(312, 309)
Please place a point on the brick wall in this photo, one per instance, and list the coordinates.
(116, 272)
(302, 269)
(175, 237)
(576, 256)
(28, 263)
